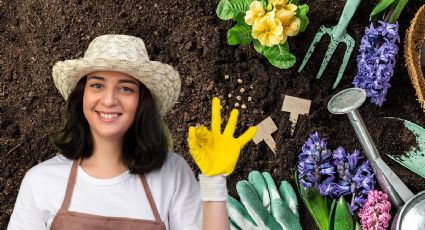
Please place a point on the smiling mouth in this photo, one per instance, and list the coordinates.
(108, 117)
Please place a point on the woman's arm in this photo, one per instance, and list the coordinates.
(26, 214)
(214, 197)
(215, 215)
(216, 154)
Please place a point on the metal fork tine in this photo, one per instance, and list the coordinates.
(331, 49)
(338, 34)
(349, 42)
(316, 40)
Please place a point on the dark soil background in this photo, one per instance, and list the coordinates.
(189, 36)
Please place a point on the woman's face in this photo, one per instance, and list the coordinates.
(110, 103)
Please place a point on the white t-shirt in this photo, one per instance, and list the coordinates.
(174, 189)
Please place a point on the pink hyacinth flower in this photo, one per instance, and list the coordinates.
(375, 213)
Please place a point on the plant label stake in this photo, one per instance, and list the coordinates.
(295, 106)
(338, 34)
(264, 131)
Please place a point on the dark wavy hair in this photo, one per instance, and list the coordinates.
(145, 143)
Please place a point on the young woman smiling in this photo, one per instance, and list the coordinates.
(115, 168)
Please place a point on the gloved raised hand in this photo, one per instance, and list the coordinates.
(214, 152)
(263, 205)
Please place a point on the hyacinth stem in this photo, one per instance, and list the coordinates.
(353, 198)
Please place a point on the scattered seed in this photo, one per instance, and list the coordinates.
(243, 106)
(249, 98)
(226, 76)
(242, 90)
(240, 81)
(236, 104)
(251, 86)
(238, 98)
(229, 95)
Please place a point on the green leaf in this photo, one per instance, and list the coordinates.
(332, 215)
(397, 11)
(295, 2)
(302, 11)
(341, 216)
(315, 203)
(239, 34)
(239, 18)
(278, 55)
(228, 9)
(358, 227)
(380, 7)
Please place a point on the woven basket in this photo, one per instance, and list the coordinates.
(415, 36)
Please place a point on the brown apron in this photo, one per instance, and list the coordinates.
(67, 220)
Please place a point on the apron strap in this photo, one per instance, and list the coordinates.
(150, 198)
(70, 186)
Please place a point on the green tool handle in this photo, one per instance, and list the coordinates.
(348, 12)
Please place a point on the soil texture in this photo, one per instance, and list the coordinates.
(189, 36)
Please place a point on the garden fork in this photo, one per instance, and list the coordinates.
(338, 34)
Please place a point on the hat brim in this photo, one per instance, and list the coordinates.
(161, 79)
(415, 36)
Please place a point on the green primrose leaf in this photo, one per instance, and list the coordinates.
(341, 216)
(380, 7)
(278, 55)
(228, 9)
(239, 18)
(315, 203)
(295, 2)
(239, 34)
(302, 11)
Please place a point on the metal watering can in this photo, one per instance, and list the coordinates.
(411, 208)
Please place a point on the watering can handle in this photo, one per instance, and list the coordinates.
(348, 12)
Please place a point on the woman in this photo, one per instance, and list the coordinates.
(115, 169)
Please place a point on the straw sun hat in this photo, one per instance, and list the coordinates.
(415, 36)
(126, 54)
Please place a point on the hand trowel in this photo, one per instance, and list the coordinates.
(413, 159)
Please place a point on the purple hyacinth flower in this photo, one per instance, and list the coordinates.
(354, 177)
(315, 166)
(376, 60)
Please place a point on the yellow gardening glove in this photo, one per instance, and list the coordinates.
(216, 153)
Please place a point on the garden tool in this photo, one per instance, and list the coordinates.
(410, 207)
(414, 159)
(214, 152)
(337, 34)
(413, 56)
(295, 106)
(264, 132)
(263, 205)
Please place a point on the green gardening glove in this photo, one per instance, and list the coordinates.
(263, 205)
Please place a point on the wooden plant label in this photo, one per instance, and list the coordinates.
(295, 106)
(264, 131)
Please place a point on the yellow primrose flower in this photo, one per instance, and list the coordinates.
(286, 12)
(268, 30)
(292, 26)
(291, 23)
(278, 3)
(255, 11)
